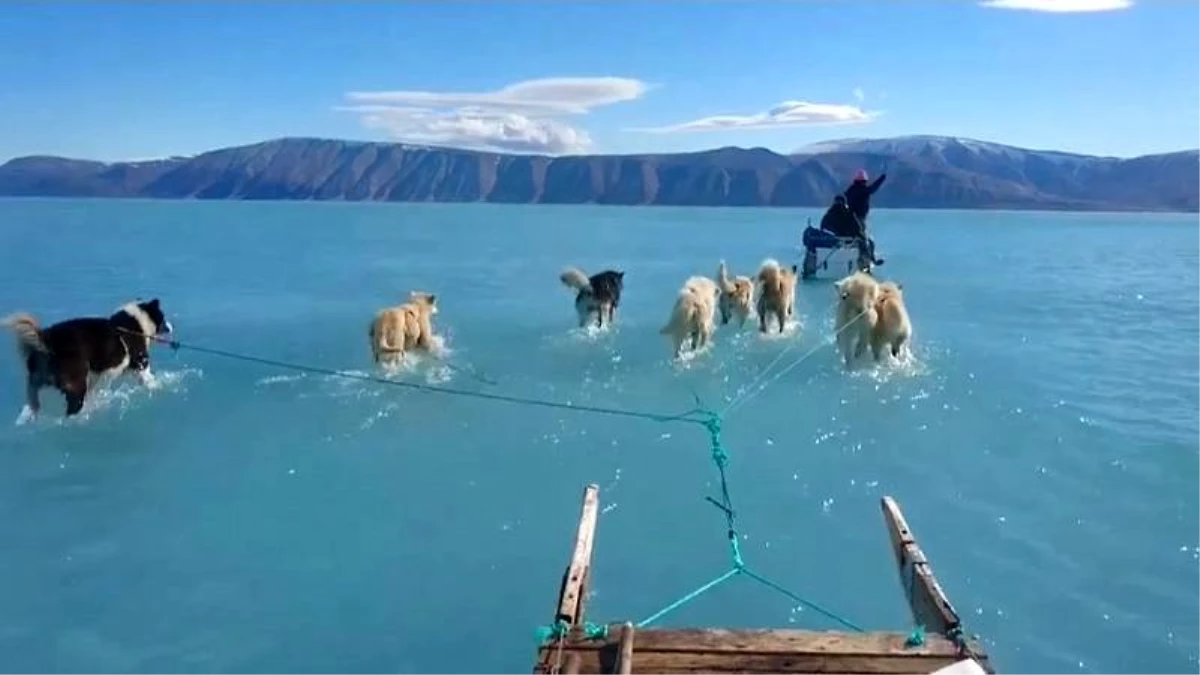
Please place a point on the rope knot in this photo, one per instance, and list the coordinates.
(738, 563)
(552, 632)
(916, 638)
(595, 631)
(560, 629)
(713, 424)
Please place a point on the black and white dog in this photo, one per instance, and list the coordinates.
(599, 294)
(69, 353)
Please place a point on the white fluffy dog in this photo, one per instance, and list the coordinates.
(694, 314)
(856, 314)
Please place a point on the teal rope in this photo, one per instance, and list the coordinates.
(688, 598)
(688, 416)
(712, 422)
(807, 603)
(560, 628)
(698, 415)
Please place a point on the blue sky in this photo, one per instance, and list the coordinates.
(154, 79)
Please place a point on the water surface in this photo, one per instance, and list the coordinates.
(247, 518)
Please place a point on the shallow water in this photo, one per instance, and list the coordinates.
(243, 517)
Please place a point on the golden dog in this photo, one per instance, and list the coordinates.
(693, 314)
(397, 330)
(856, 314)
(892, 329)
(737, 296)
(777, 296)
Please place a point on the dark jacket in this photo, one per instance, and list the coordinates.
(858, 196)
(840, 221)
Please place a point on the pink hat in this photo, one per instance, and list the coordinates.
(861, 174)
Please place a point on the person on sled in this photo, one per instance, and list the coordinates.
(858, 200)
(838, 223)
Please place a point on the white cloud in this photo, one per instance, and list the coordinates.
(786, 114)
(1059, 6)
(520, 117)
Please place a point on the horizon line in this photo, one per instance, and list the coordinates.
(437, 204)
(516, 153)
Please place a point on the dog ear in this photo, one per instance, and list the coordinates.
(621, 275)
(793, 269)
(432, 299)
(153, 303)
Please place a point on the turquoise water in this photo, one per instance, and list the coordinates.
(247, 518)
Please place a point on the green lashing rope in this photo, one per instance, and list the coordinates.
(698, 415)
(712, 422)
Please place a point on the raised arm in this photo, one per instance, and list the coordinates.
(875, 185)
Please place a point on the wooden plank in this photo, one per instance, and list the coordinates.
(574, 587)
(784, 642)
(928, 602)
(625, 650)
(572, 664)
(722, 650)
(602, 661)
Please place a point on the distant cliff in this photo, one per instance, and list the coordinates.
(923, 172)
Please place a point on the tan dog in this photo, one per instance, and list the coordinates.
(777, 295)
(397, 330)
(693, 315)
(737, 296)
(892, 327)
(856, 314)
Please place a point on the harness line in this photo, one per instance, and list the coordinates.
(699, 415)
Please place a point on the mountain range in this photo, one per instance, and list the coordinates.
(923, 172)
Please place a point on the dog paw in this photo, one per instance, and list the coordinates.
(25, 417)
(148, 380)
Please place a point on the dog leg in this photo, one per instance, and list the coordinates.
(844, 345)
(146, 377)
(31, 397)
(860, 347)
(75, 390)
(32, 406)
(75, 402)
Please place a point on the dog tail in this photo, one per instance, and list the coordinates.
(769, 274)
(27, 332)
(573, 277)
(769, 271)
(723, 278)
(383, 335)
